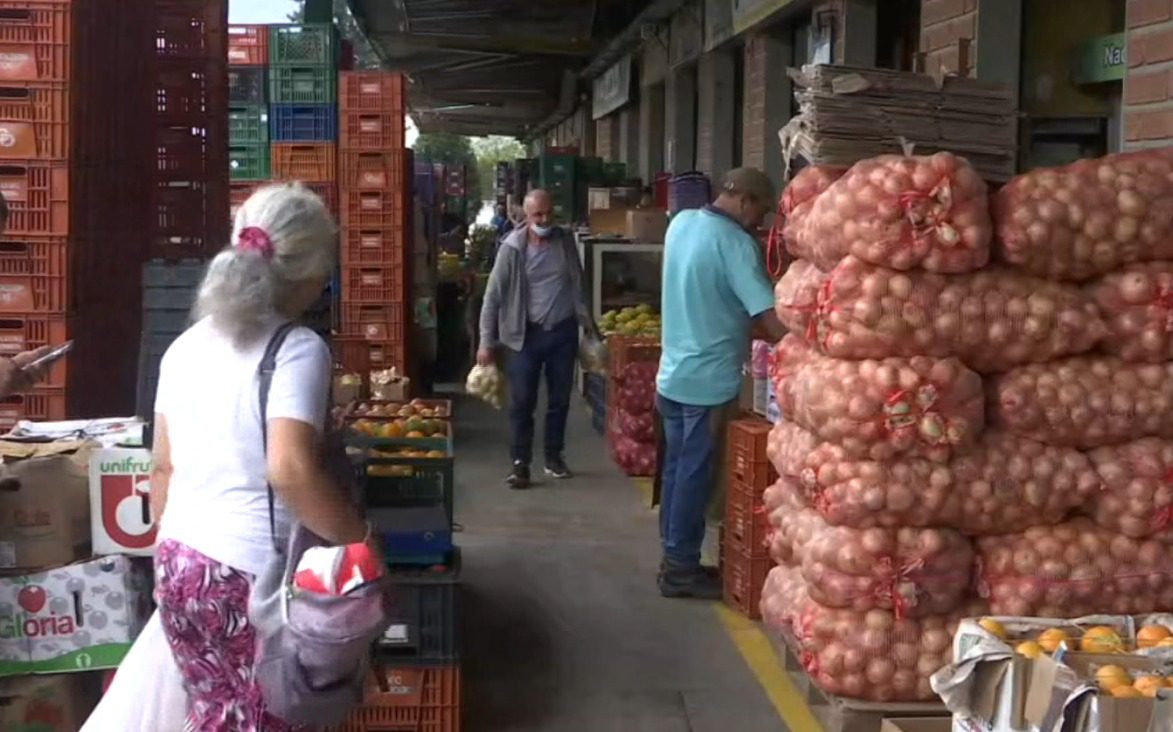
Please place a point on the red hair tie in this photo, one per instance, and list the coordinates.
(255, 239)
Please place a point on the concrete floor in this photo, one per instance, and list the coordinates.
(563, 627)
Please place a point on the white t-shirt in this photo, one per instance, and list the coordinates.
(218, 501)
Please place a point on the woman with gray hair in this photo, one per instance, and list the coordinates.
(219, 524)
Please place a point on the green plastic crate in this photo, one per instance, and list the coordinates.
(248, 162)
(303, 85)
(248, 124)
(614, 173)
(307, 44)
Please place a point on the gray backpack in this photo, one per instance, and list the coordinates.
(313, 650)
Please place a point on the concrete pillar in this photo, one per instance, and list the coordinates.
(1148, 103)
(716, 95)
(768, 100)
(680, 121)
(628, 138)
(651, 133)
(857, 39)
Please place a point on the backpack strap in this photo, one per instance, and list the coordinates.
(265, 378)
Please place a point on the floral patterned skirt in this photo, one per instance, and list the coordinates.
(204, 608)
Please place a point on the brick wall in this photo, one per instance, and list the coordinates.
(1148, 103)
(706, 114)
(757, 70)
(949, 35)
(603, 138)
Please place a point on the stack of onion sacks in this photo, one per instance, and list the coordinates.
(632, 418)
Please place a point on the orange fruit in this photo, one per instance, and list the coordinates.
(1150, 635)
(1050, 639)
(1125, 692)
(1110, 677)
(415, 435)
(994, 628)
(1101, 639)
(1167, 643)
(1030, 649)
(1149, 685)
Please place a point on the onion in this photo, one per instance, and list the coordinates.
(1137, 307)
(1137, 500)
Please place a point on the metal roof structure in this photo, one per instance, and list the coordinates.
(497, 66)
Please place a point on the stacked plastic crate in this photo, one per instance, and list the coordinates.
(248, 111)
(375, 192)
(745, 555)
(75, 114)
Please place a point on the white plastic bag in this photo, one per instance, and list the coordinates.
(487, 383)
(147, 693)
(592, 354)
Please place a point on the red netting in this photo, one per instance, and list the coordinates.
(1137, 499)
(1137, 307)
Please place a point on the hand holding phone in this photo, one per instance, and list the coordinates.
(47, 358)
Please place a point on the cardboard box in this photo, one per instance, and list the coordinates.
(120, 502)
(761, 396)
(48, 703)
(916, 724)
(80, 617)
(647, 226)
(44, 504)
(608, 221)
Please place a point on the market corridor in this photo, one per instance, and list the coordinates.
(563, 628)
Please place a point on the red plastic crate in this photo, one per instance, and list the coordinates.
(305, 161)
(238, 193)
(747, 459)
(248, 45)
(381, 247)
(412, 699)
(328, 192)
(41, 405)
(181, 153)
(744, 576)
(372, 91)
(37, 195)
(192, 30)
(186, 92)
(35, 36)
(34, 121)
(352, 356)
(373, 209)
(34, 276)
(179, 210)
(372, 285)
(20, 333)
(374, 131)
(747, 523)
(626, 350)
(371, 170)
(384, 323)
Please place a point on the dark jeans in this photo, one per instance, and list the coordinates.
(555, 351)
(693, 442)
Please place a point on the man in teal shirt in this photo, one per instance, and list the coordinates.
(715, 287)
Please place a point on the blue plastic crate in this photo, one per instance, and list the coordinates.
(303, 122)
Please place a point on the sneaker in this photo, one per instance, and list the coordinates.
(556, 468)
(698, 583)
(518, 478)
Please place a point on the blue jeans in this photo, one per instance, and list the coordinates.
(691, 453)
(554, 351)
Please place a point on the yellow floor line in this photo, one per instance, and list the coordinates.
(763, 660)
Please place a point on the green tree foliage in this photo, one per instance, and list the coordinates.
(492, 150)
(453, 151)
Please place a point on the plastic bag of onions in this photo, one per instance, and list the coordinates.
(901, 212)
(1089, 218)
(1004, 484)
(781, 595)
(799, 198)
(992, 320)
(637, 387)
(1137, 306)
(1073, 569)
(874, 655)
(1086, 401)
(880, 409)
(1137, 499)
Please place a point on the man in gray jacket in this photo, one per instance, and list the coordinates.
(533, 308)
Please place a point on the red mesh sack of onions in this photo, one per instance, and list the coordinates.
(791, 525)
(901, 212)
(1137, 306)
(1004, 484)
(1088, 218)
(1086, 401)
(639, 427)
(781, 597)
(637, 387)
(1137, 499)
(992, 320)
(1073, 569)
(874, 655)
(880, 409)
(636, 459)
(800, 195)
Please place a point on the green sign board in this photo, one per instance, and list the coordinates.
(1102, 59)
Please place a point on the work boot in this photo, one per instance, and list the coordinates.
(693, 582)
(556, 468)
(518, 478)
(710, 571)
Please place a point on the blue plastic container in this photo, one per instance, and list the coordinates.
(303, 122)
(688, 191)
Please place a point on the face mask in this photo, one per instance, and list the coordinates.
(541, 231)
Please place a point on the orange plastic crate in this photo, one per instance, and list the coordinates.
(20, 333)
(412, 699)
(41, 405)
(747, 459)
(379, 247)
(744, 576)
(384, 323)
(35, 35)
(625, 350)
(248, 45)
(305, 161)
(372, 170)
(352, 356)
(747, 523)
(373, 131)
(372, 209)
(34, 121)
(34, 276)
(238, 193)
(373, 285)
(328, 192)
(38, 197)
(372, 91)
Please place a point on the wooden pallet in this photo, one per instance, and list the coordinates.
(837, 714)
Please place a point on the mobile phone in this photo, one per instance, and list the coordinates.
(52, 356)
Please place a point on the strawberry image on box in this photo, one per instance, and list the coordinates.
(120, 507)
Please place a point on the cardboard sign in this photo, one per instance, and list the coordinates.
(44, 512)
(77, 618)
(120, 502)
